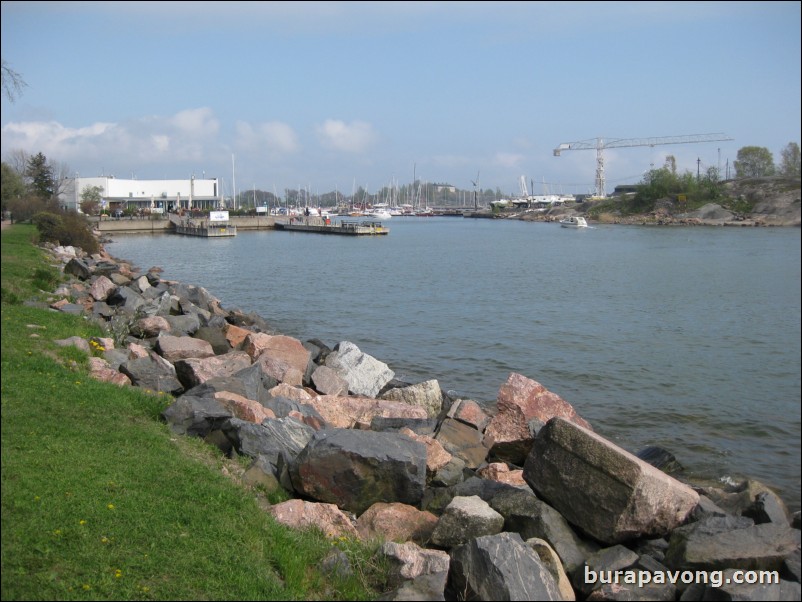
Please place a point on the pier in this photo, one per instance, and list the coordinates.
(216, 226)
(343, 228)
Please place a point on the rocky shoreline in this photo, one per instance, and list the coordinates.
(526, 502)
(764, 202)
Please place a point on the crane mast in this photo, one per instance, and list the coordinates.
(600, 145)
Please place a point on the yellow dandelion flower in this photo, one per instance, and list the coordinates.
(111, 506)
(86, 586)
(118, 573)
(82, 522)
(104, 539)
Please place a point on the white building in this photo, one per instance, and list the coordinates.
(157, 196)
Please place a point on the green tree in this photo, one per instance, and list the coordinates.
(12, 186)
(40, 172)
(754, 162)
(789, 166)
(90, 199)
(671, 164)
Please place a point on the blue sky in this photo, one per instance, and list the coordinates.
(325, 95)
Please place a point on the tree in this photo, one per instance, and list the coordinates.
(18, 160)
(61, 176)
(789, 166)
(12, 186)
(90, 199)
(754, 162)
(12, 82)
(40, 172)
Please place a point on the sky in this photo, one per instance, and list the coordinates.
(328, 96)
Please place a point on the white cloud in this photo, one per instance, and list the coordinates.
(50, 137)
(354, 137)
(189, 136)
(160, 143)
(276, 138)
(508, 159)
(199, 123)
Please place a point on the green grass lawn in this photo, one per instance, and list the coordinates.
(101, 501)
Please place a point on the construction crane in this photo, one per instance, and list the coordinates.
(475, 197)
(600, 144)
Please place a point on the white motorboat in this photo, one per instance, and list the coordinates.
(379, 211)
(574, 221)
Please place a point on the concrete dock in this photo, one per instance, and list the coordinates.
(342, 228)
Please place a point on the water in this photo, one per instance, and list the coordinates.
(687, 338)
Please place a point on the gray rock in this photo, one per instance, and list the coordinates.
(500, 567)
(355, 469)
(195, 416)
(272, 440)
(466, 518)
(604, 562)
(660, 458)
(462, 440)
(533, 518)
(705, 545)
(426, 395)
(126, 298)
(365, 374)
(78, 268)
(184, 325)
(153, 373)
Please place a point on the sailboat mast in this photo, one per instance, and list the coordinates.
(233, 184)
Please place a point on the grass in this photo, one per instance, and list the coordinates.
(100, 501)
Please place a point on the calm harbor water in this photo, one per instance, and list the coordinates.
(687, 338)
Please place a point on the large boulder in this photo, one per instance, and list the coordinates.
(174, 348)
(282, 357)
(364, 373)
(195, 371)
(427, 394)
(466, 518)
(533, 518)
(523, 405)
(153, 372)
(500, 567)
(350, 411)
(728, 543)
(602, 489)
(355, 469)
(396, 522)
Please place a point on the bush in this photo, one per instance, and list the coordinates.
(68, 228)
